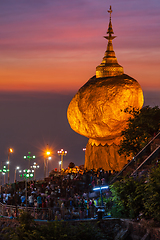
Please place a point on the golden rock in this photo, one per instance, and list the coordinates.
(97, 111)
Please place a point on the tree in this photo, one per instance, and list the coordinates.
(71, 165)
(152, 194)
(127, 197)
(142, 125)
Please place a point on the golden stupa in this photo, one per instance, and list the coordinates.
(97, 111)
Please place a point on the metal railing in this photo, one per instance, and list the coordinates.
(49, 214)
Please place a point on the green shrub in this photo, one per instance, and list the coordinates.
(127, 197)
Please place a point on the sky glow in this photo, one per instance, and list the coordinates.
(56, 45)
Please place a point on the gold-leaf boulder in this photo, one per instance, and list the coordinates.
(97, 111)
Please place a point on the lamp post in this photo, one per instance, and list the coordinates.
(19, 172)
(10, 150)
(29, 157)
(4, 174)
(15, 174)
(35, 166)
(3, 170)
(60, 162)
(47, 156)
(27, 173)
(61, 153)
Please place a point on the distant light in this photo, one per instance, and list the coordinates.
(62, 152)
(105, 187)
(25, 157)
(48, 153)
(34, 156)
(7, 162)
(49, 158)
(98, 188)
(10, 150)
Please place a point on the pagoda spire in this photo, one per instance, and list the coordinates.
(109, 66)
(110, 29)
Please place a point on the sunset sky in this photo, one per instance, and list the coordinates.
(54, 46)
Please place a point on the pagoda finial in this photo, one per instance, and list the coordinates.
(110, 11)
(109, 66)
(110, 30)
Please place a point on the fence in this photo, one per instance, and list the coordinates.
(49, 214)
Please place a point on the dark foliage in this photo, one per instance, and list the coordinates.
(141, 128)
(57, 230)
(71, 165)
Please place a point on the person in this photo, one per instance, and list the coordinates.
(23, 198)
(39, 201)
(62, 210)
(31, 200)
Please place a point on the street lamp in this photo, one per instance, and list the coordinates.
(15, 177)
(61, 153)
(49, 158)
(3, 170)
(29, 157)
(27, 173)
(46, 158)
(4, 174)
(10, 150)
(35, 166)
(60, 162)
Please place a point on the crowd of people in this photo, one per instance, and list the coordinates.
(60, 196)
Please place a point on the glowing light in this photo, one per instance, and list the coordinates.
(61, 153)
(99, 188)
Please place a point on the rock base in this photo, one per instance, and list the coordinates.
(105, 157)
